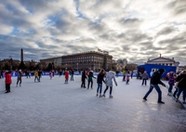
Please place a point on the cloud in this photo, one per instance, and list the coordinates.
(176, 40)
(166, 30)
(179, 6)
(135, 22)
(136, 30)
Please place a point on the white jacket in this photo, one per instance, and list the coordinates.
(109, 77)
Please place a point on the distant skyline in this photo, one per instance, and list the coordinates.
(128, 29)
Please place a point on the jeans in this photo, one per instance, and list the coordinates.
(175, 92)
(19, 81)
(144, 81)
(83, 83)
(90, 82)
(157, 89)
(36, 78)
(99, 89)
(170, 88)
(7, 86)
(72, 77)
(180, 90)
(107, 89)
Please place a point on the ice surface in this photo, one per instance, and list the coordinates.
(52, 106)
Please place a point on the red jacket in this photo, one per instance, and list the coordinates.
(66, 74)
(8, 78)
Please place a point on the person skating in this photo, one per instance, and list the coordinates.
(39, 75)
(71, 75)
(36, 76)
(124, 74)
(19, 78)
(171, 81)
(100, 79)
(66, 76)
(83, 77)
(51, 74)
(90, 79)
(109, 84)
(155, 80)
(176, 85)
(8, 81)
(145, 77)
(181, 79)
(127, 77)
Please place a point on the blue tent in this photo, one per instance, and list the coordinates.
(150, 67)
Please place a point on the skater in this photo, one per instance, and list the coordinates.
(127, 77)
(51, 74)
(176, 85)
(27, 73)
(71, 75)
(131, 75)
(124, 74)
(90, 79)
(83, 77)
(100, 79)
(1, 74)
(19, 78)
(66, 76)
(155, 80)
(60, 72)
(181, 79)
(8, 81)
(36, 76)
(171, 81)
(145, 77)
(108, 81)
(39, 75)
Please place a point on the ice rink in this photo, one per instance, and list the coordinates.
(52, 106)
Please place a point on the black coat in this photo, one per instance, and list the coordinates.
(156, 78)
(100, 78)
(181, 79)
(83, 76)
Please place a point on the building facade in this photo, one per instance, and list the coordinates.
(92, 60)
(163, 61)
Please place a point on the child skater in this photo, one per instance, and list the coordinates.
(66, 76)
(127, 77)
(8, 81)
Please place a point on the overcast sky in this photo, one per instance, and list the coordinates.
(131, 29)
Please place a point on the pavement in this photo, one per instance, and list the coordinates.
(52, 106)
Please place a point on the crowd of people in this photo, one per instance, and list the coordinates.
(176, 81)
(102, 77)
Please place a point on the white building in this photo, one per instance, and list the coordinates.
(163, 61)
